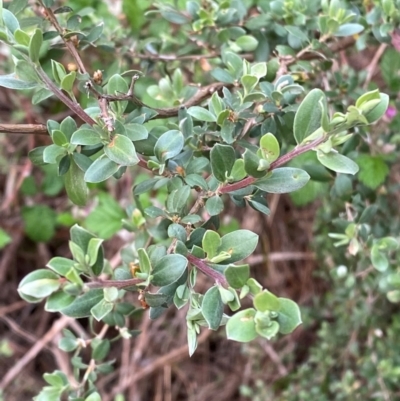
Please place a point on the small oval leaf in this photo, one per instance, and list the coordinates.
(283, 180)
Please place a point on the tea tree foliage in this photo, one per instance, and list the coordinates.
(237, 98)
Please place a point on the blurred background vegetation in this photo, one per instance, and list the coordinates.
(347, 348)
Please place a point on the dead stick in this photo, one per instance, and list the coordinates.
(38, 129)
(31, 354)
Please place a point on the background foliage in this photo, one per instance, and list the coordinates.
(337, 258)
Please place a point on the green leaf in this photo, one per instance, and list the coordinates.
(249, 82)
(266, 301)
(75, 184)
(58, 71)
(202, 114)
(53, 153)
(216, 105)
(95, 33)
(5, 239)
(60, 265)
(10, 21)
(210, 243)
(94, 396)
(136, 132)
(56, 379)
(93, 250)
(238, 172)
(241, 326)
(58, 300)
(270, 148)
(168, 270)
(308, 116)
(85, 136)
(157, 300)
(379, 259)
(26, 72)
(192, 340)
(101, 309)
(222, 75)
(144, 186)
(40, 95)
(297, 32)
(337, 162)
(349, 29)
(67, 82)
(106, 218)
(252, 163)
(39, 284)
(121, 151)
(390, 62)
(110, 293)
(83, 304)
(237, 276)
(59, 138)
(259, 70)
(239, 244)
(176, 202)
(144, 261)
(247, 43)
(177, 231)
(117, 86)
(36, 156)
(169, 145)
(101, 169)
(40, 222)
(196, 180)
(81, 237)
(373, 170)
(212, 308)
(35, 45)
(283, 180)
(9, 81)
(22, 37)
(222, 161)
(289, 316)
(267, 331)
(214, 205)
(64, 165)
(173, 16)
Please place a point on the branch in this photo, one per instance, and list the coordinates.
(207, 270)
(113, 283)
(75, 107)
(37, 129)
(281, 161)
(70, 46)
(201, 95)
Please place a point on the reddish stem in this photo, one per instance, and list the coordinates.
(281, 161)
(207, 270)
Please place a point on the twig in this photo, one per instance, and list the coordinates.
(371, 68)
(207, 270)
(281, 161)
(75, 107)
(9, 254)
(37, 129)
(201, 95)
(174, 57)
(113, 283)
(5, 310)
(70, 46)
(58, 325)
(18, 330)
(173, 356)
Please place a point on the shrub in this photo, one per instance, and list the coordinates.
(230, 101)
